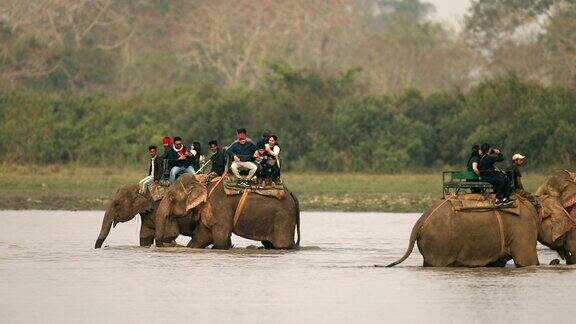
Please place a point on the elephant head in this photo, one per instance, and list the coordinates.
(182, 196)
(126, 204)
(558, 196)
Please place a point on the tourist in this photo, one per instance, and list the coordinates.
(179, 159)
(264, 139)
(273, 151)
(218, 159)
(472, 166)
(260, 159)
(514, 171)
(154, 170)
(242, 153)
(490, 174)
(196, 154)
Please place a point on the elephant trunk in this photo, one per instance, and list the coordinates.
(106, 225)
(160, 220)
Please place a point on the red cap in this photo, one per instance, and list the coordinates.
(166, 141)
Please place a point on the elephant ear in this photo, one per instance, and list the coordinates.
(197, 196)
(142, 203)
(205, 214)
(552, 186)
(561, 220)
(572, 175)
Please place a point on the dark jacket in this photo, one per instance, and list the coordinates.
(244, 152)
(218, 162)
(486, 164)
(173, 161)
(157, 168)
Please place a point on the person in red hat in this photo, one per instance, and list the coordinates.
(166, 142)
(242, 153)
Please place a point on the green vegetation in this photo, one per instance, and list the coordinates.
(55, 187)
(323, 124)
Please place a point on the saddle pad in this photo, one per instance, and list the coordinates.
(274, 193)
(157, 191)
(471, 202)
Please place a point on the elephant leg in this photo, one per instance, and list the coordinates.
(221, 239)
(283, 237)
(524, 254)
(201, 238)
(146, 235)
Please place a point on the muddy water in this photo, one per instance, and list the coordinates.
(49, 272)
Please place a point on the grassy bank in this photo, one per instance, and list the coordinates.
(72, 188)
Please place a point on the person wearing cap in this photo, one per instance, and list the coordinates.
(488, 173)
(238, 131)
(242, 153)
(166, 141)
(514, 170)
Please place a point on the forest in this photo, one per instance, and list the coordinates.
(347, 85)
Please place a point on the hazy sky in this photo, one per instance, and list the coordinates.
(450, 10)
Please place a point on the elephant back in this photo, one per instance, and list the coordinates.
(479, 202)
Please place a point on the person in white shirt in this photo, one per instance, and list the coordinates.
(154, 170)
(273, 162)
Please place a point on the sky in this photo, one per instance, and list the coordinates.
(449, 10)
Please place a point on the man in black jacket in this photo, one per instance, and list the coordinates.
(179, 159)
(496, 178)
(218, 159)
(154, 170)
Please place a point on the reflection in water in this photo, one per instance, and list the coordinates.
(49, 272)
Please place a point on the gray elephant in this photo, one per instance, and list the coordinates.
(558, 228)
(452, 237)
(490, 238)
(129, 202)
(269, 220)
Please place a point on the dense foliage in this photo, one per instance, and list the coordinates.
(323, 124)
(95, 82)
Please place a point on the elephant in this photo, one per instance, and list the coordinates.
(127, 203)
(269, 220)
(447, 238)
(557, 195)
(474, 238)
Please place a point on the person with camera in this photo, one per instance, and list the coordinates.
(489, 173)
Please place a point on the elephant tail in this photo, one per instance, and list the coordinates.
(297, 217)
(413, 238)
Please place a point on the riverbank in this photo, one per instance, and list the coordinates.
(83, 188)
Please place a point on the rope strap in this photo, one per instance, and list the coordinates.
(501, 230)
(240, 206)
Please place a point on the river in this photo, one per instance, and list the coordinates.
(50, 273)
